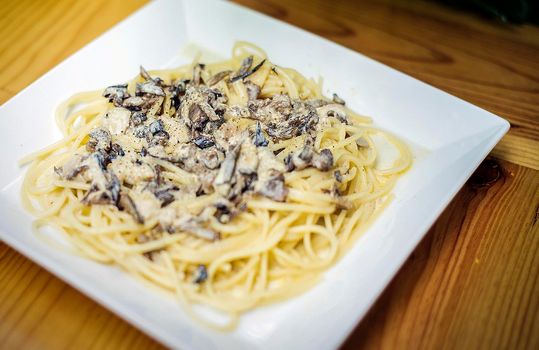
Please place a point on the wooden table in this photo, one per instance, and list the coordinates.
(471, 283)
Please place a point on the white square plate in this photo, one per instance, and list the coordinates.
(456, 134)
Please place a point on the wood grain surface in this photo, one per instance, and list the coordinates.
(472, 283)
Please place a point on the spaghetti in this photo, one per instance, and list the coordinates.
(233, 184)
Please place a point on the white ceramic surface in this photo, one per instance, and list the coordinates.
(456, 134)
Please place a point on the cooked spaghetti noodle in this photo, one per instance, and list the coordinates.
(233, 184)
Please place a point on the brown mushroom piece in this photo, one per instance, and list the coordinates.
(226, 171)
(246, 63)
(116, 151)
(107, 195)
(322, 161)
(253, 90)
(126, 203)
(190, 225)
(156, 126)
(72, 167)
(105, 187)
(133, 103)
(289, 162)
(176, 92)
(210, 157)
(116, 93)
(144, 73)
(198, 117)
(270, 179)
(100, 140)
(248, 73)
(201, 274)
(160, 138)
(274, 187)
(218, 77)
(259, 140)
(165, 195)
(203, 141)
(149, 87)
(338, 100)
(316, 103)
(138, 118)
(303, 159)
(338, 175)
(225, 210)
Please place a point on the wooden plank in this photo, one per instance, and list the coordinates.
(5, 95)
(472, 283)
(39, 311)
(518, 149)
(37, 35)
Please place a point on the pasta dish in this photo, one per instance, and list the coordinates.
(231, 184)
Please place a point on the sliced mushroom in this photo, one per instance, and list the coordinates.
(100, 140)
(303, 159)
(210, 157)
(338, 175)
(141, 131)
(165, 195)
(126, 203)
(244, 68)
(190, 225)
(227, 167)
(246, 74)
(73, 167)
(259, 139)
(274, 187)
(253, 90)
(133, 103)
(177, 92)
(116, 151)
(107, 195)
(116, 93)
(309, 157)
(105, 187)
(323, 161)
(144, 74)
(138, 118)
(149, 87)
(218, 77)
(203, 141)
(338, 100)
(225, 210)
(289, 162)
(160, 138)
(201, 274)
(156, 126)
(198, 117)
